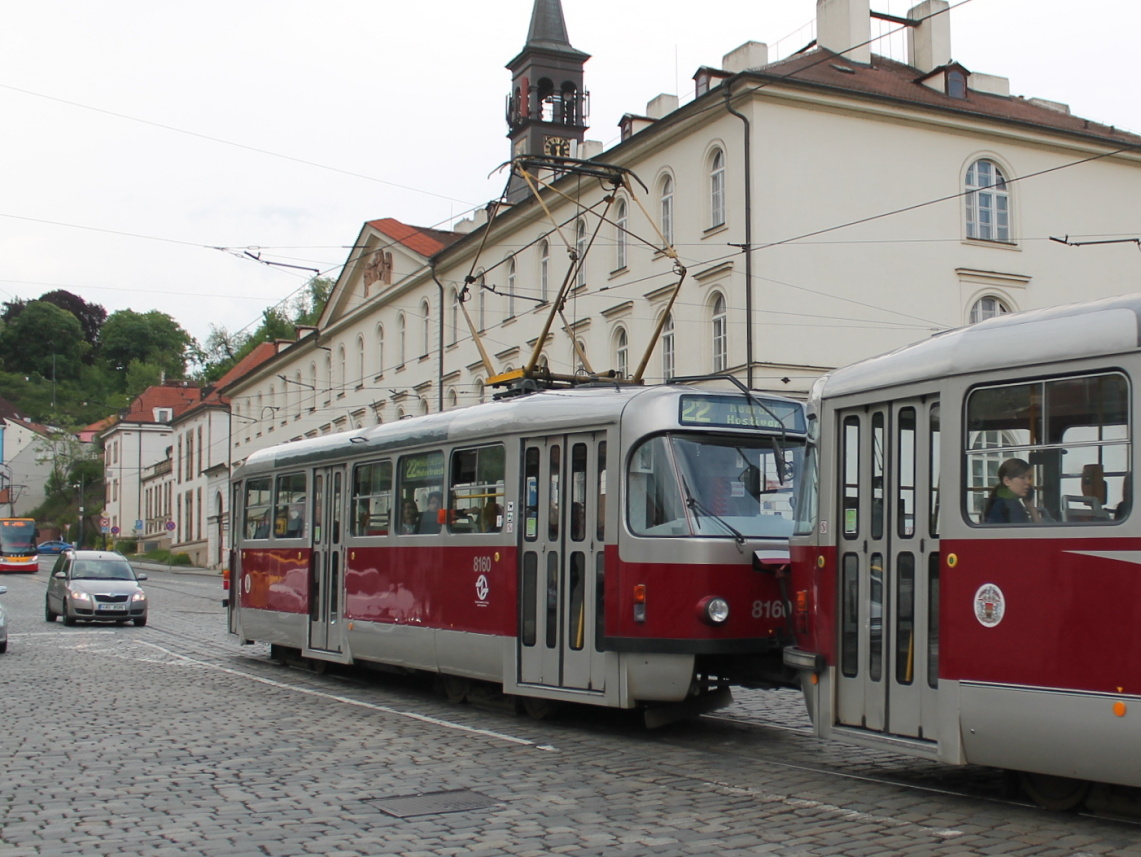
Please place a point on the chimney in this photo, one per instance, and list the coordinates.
(845, 27)
(661, 106)
(929, 44)
(749, 56)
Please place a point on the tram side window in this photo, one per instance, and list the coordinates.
(1062, 446)
(421, 492)
(257, 508)
(851, 471)
(475, 495)
(289, 513)
(372, 498)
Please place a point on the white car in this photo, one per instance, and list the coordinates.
(3, 624)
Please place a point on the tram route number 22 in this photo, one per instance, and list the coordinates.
(768, 609)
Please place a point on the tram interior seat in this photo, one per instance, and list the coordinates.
(1082, 507)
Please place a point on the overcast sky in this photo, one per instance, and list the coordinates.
(140, 135)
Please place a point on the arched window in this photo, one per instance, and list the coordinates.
(580, 353)
(544, 270)
(580, 249)
(667, 210)
(479, 282)
(987, 307)
(988, 202)
(668, 348)
(313, 385)
(620, 226)
(717, 189)
(479, 390)
(720, 335)
(401, 339)
(328, 377)
(453, 399)
(426, 326)
(424, 409)
(300, 392)
(511, 288)
(621, 353)
(360, 360)
(454, 318)
(379, 350)
(342, 369)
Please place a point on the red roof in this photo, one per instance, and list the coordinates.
(886, 78)
(176, 395)
(426, 242)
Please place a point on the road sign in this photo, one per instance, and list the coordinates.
(104, 522)
(170, 525)
(114, 531)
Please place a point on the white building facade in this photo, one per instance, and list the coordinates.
(825, 208)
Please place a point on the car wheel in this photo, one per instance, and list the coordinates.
(49, 614)
(67, 618)
(142, 620)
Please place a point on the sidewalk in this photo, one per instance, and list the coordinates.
(147, 565)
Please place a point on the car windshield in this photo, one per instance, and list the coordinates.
(101, 570)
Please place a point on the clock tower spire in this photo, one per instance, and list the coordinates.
(547, 109)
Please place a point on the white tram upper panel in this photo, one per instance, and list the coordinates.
(551, 411)
(1068, 332)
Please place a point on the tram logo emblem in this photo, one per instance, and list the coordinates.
(990, 605)
(481, 589)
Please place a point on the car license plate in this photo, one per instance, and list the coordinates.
(112, 608)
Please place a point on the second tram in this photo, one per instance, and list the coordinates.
(965, 561)
(18, 545)
(615, 545)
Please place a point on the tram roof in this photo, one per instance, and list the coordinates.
(1067, 332)
(539, 413)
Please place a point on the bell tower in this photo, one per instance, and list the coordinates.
(547, 109)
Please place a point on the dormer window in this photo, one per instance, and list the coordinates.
(956, 84)
(163, 415)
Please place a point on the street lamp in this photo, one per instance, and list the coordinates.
(79, 485)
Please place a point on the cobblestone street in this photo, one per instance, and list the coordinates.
(173, 740)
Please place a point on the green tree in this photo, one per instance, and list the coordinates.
(43, 340)
(153, 337)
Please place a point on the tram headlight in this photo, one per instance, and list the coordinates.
(713, 610)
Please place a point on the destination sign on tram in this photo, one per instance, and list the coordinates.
(739, 412)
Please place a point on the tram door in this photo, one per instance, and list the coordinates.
(888, 555)
(561, 561)
(327, 561)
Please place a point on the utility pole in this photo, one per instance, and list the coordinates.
(79, 543)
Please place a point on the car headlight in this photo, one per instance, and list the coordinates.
(80, 596)
(139, 596)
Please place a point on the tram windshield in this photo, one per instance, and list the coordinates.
(17, 536)
(710, 485)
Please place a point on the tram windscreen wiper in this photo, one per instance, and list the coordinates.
(695, 506)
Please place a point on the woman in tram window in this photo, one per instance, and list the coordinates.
(1008, 502)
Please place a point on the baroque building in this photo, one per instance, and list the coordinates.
(815, 210)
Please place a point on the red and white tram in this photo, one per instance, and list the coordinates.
(604, 545)
(930, 620)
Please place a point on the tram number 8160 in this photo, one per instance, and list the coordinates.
(768, 609)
